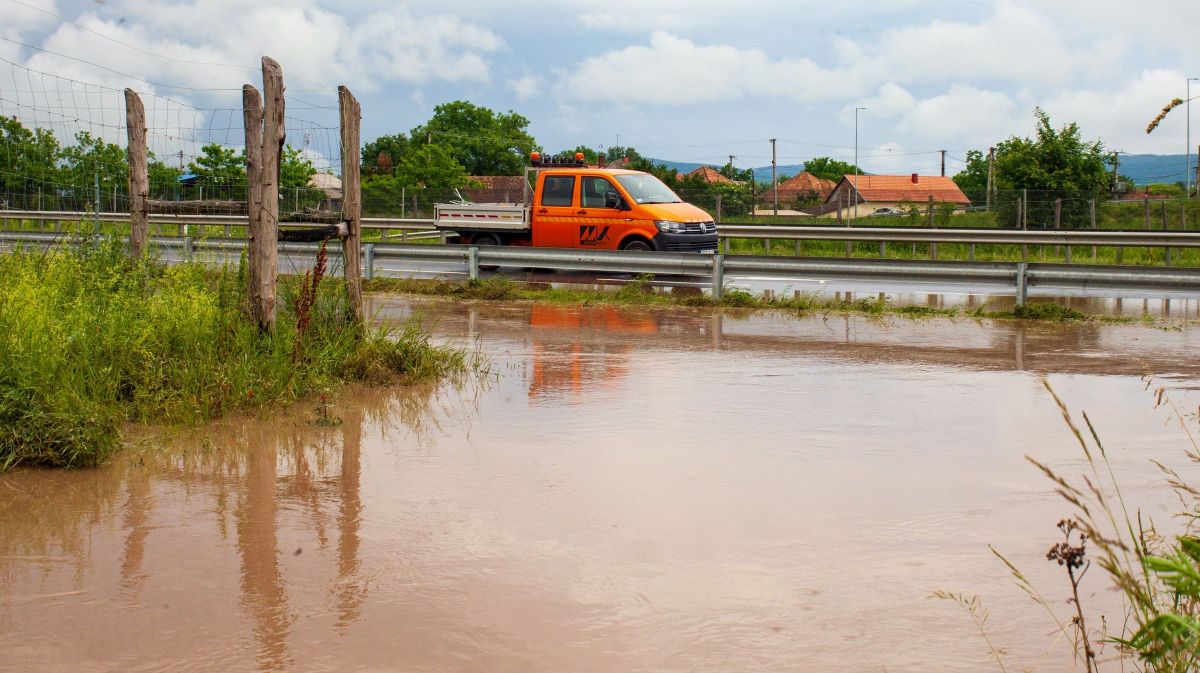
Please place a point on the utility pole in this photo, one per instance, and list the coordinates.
(991, 167)
(943, 162)
(181, 160)
(429, 137)
(774, 183)
(1116, 170)
(856, 160)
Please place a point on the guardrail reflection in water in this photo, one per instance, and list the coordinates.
(1017, 275)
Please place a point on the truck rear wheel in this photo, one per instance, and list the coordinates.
(487, 239)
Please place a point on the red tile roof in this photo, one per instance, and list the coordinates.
(710, 175)
(895, 188)
(805, 183)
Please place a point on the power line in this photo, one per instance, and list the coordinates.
(146, 51)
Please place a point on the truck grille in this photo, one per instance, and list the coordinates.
(699, 227)
(690, 246)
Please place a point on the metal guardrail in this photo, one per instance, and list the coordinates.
(1018, 275)
(996, 236)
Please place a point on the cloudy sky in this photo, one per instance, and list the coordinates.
(689, 80)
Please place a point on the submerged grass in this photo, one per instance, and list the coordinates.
(90, 340)
(640, 293)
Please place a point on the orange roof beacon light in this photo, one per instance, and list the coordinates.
(535, 158)
(579, 157)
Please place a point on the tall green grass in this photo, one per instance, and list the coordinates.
(90, 340)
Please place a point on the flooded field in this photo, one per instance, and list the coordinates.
(627, 491)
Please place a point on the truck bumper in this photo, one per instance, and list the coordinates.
(684, 242)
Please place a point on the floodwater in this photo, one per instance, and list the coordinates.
(627, 490)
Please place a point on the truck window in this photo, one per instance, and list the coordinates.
(558, 190)
(594, 191)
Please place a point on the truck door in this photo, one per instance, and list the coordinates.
(555, 222)
(600, 225)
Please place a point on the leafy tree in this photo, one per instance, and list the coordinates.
(737, 174)
(220, 172)
(1054, 164)
(164, 178)
(28, 165)
(91, 157)
(379, 156)
(830, 169)
(484, 142)
(426, 168)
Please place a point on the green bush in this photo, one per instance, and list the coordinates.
(90, 340)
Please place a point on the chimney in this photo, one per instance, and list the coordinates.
(600, 160)
(915, 178)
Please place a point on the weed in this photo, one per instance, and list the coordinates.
(1047, 311)
(90, 340)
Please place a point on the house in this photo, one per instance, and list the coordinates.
(495, 189)
(863, 195)
(331, 185)
(803, 186)
(709, 175)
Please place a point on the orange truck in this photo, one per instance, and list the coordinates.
(574, 206)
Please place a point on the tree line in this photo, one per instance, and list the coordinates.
(37, 172)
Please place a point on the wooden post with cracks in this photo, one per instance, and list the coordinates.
(351, 118)
(264, 145)
(139, 178)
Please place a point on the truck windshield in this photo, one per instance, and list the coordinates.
(645, 188)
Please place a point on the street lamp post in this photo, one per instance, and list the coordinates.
(1188, 178)
(855, 217)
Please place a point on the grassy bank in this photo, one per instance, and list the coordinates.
(640, 293)
(90, 340)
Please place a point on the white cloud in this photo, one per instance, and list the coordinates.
(1119, 114)
(525, 87)
(674, 70)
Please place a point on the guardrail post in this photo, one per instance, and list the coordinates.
(725, 244)
(369, 271)
(718, 276)
(799, 248)
(187, 248)
(971, 253)
(1022, 289)
(472, 263)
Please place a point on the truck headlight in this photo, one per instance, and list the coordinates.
(666, 226)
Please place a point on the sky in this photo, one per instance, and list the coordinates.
(685, 80)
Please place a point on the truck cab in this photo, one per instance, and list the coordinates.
(575, 206)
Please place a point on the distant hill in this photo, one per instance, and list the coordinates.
(1143, 169)
(761, 173)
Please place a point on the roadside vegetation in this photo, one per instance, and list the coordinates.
(640, 292)
(1156, 572)
(90, 340)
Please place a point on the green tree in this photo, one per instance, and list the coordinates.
(972, 179)
(379, 156)
(28, 165)
(830, 169)
(164, 178)
(1054, 164)
(91, 157)
(484, 142)
(738, 174)
(220, 173)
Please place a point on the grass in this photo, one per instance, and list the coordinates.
(90, 340)
(640, 293)
(1156, 574)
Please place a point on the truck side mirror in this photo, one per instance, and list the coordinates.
(612, 200)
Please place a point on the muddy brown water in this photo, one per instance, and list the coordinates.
(629, 490)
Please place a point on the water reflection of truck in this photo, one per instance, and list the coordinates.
(578, 348)
(570, 205)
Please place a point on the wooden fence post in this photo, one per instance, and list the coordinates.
(351, 118)
(139, 178)
(252, 115)
(272, 150)
(1092, 215)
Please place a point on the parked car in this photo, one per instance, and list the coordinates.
(886, 211)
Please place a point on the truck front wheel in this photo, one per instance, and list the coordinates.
(636, 245)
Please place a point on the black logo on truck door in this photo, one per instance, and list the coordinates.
(590, 234)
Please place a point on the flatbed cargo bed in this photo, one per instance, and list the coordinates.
(505, 217)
